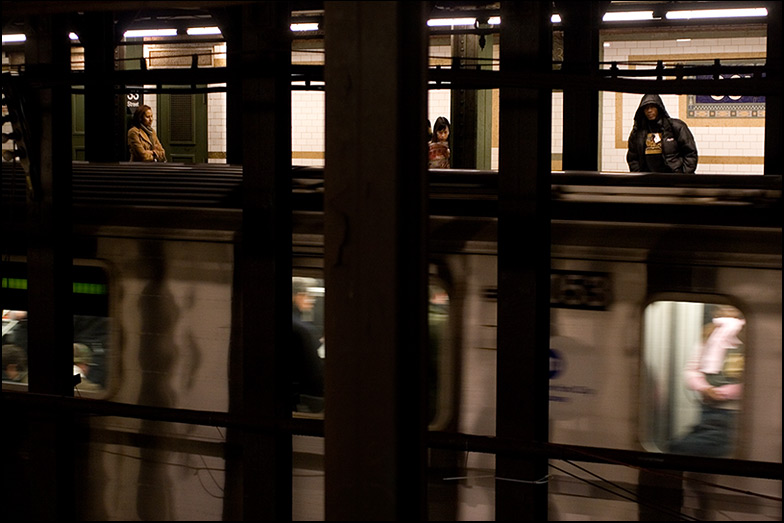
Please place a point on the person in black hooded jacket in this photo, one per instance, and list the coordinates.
(659, 143)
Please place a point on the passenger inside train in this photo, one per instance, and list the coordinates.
(14, 363)
(15, 367)
(307, 365)
(83, 364)
(91, 335)
(715, 372)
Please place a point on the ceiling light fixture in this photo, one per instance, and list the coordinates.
(625, 16)
(10, 38)
(141, 33)
(198, 31)
(309, 26)
(717, 13)
(441, 22)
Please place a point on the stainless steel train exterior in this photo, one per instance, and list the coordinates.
(638, 264)
(620, 296)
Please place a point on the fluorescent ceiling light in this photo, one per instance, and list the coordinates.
(493, 20)
(312, 26)
(623, 16)
(196, 31)
(717, 13)
(21, 38)
(14, 38)
(140, 33)
(439, 22)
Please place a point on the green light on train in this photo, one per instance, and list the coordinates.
(15, 283)
(89, 288)
(78, 287)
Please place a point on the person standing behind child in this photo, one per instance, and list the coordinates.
(438, 157)
(143, 141)
(659, 143)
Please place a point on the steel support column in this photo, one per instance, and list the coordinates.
(774, 114)
(260, 460)
(104, 119)
(229, 19)
(464, 105)
(49, 261)
(523, 262)
(50, 336)
(580, 21)
(375, 262)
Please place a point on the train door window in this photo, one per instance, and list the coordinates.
(308, 327)
(92, 346)
(307, 299)
(439, 364)
(692, 377)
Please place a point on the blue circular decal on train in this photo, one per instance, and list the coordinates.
(556, 364)
(574, 378)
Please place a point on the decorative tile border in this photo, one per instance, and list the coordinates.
(727, 106)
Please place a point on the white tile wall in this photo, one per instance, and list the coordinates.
(439, 103)
(216, 126)
(557, 124)
(152, 101)
(714, 143)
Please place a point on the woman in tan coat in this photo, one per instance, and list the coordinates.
(142, 140)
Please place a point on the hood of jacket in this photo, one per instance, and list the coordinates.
(639, 116)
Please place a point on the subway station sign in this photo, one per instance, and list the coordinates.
(133, 99)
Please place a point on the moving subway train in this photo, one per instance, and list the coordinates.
(648, 272)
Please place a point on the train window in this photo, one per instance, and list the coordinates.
(308, 328)
(307, 299)
(692, 377)
(439, 366)
(91, 327)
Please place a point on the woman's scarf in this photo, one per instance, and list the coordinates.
(147, 130)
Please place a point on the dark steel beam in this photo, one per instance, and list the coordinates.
(463, 134)
(259, 471)
(375, 261)
(606, 80)
(49, 265)
(49, 213)
(104, 118)
(580, 25)
(523, 263)
(774, 113)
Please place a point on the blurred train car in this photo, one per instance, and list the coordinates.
(632, 290)
(639, 266)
